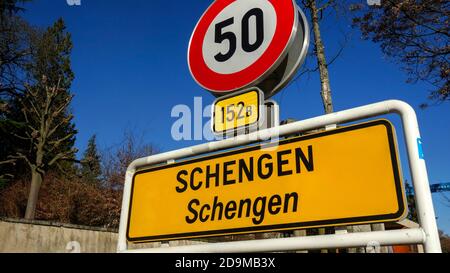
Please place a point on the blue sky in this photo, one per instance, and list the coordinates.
(129, 60)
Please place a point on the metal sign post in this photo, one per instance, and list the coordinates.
(427, 234)
(272, 115)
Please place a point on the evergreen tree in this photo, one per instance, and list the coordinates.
(10, 7)
(49, 135)
(91, 168)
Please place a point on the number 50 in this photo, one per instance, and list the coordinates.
(221, 36)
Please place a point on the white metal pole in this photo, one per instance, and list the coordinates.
(418, 169)
(122, 238)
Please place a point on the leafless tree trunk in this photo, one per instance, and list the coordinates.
(320, 53)
(36, 181)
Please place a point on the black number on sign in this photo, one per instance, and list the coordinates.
(222, 109)
(228, 114)
(259, 16)
(231, 117)
(220, 36)
(242, 105)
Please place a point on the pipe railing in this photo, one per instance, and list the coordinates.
(427, 234)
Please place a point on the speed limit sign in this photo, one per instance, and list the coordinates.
(248, 43)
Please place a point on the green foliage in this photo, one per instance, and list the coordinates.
(14, 48)
(51, 56)
(14, 55)
(3, 182)
(41, 96)
(51, 59)
(47, 98)
(90, 163)
(49, 134)
(412, 211)
(10, 7)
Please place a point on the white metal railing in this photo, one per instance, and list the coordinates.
(383, 238)
(427, 234)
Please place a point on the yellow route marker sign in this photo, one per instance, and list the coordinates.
(239, 111)
(345, 176)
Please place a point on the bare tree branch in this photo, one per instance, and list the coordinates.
(61, 156)
(23, 157)
(63, 122)
(10, 161)
(326, 5)
(21, 137)
(56, 143)
(414, 34)
(406, 13)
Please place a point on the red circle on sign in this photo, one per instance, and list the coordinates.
(225, 83)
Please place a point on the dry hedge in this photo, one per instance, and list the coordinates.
(65, 200)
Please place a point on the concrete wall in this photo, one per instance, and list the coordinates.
(18, 236)
(47, 237)
(44, 237)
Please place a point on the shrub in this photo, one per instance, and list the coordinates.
(65, 200)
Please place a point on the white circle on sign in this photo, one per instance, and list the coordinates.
(218, 44)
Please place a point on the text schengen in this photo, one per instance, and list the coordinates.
(260, 167)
